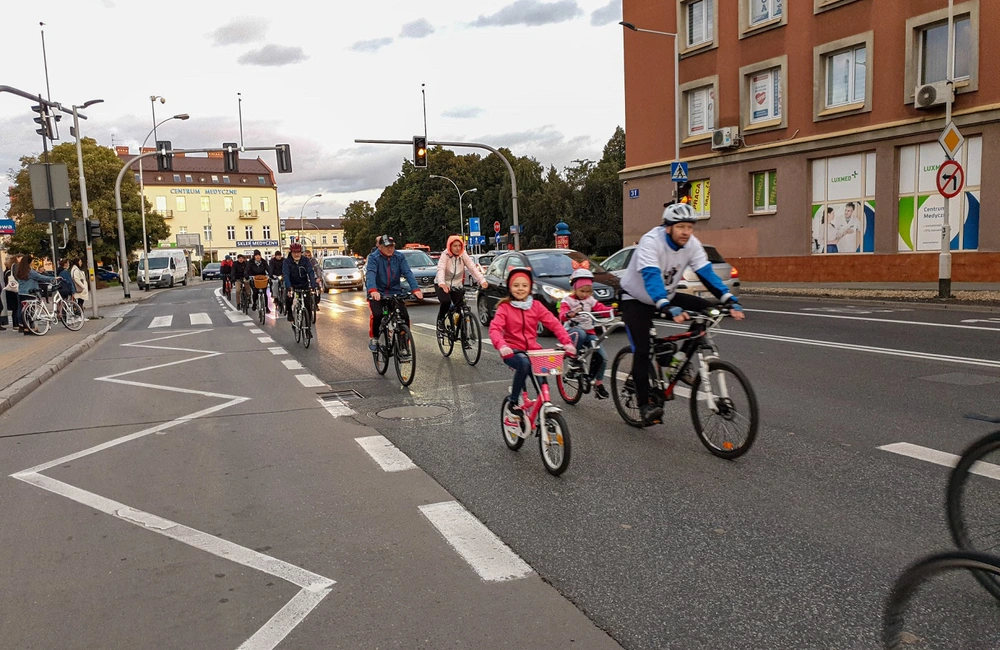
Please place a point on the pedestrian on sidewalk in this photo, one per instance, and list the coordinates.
(27, 281)
(67, 287)
(80, 282)
(10, 292)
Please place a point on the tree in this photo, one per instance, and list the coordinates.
(357, 222)
(101, 166)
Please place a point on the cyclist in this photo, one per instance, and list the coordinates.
(274, 269)
(649, 285)
(226, 271)
(382, 274)
(256, 267)
(450, 278)
(298, 272)
(581, 329)
(239, 273)
(514, 330)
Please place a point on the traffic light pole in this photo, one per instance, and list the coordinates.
(86, 215)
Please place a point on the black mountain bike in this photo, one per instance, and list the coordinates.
(461, 326)
(301, 318)
(395, 340)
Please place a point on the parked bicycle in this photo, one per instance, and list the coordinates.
(395, 340)
(539, 417)
(301, 320)
(461, 326)
(722, 402)
(575, 381)
(39, 319)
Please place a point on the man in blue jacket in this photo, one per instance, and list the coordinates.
(298, 273)
(382, 274)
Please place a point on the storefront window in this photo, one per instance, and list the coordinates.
(843, 211)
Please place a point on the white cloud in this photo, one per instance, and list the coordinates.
(245, 29)
(463, 112)
(532, 13)
(609, 13)
(417, 29)
(371, 45)
(273, 55)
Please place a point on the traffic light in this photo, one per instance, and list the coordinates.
(231, 157)
(94, 229)
(47, 121)
(164, 161)
(420, 151)
(284, 153)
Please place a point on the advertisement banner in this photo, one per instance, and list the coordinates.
(701, 198)
(843, 212)
(760, 96)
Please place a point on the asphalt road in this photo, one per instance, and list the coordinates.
(658, 542)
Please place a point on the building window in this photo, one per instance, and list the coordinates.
(846, 76)
(231, 233)
(247, 204)
(137, 178)
(765, 95)
(267, 232)
(225, 180)
(182, 230)
(762, 95)
(700, 22)
(324, 239)
(765, 192)
(700, 111)
(177, 178)
(333, 238)
(181, 204)
(263, 204)
(208, 233)
(927, 49)
(762, 11)
(188, 178)
(845, 68)
(819, 6)
(215, 179)
(249, 232)
(206, 204)
(934, 51)
(161, 204)
(843, 205)
(261, 180)
(701, 198)
(227, 201)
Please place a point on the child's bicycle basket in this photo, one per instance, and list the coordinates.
(546, 362)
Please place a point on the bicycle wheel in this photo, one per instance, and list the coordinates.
(623, 388)
(381, 355)
(472, 341)
(405, 355)
(973, 495)
(307, 335)
(570, 383)
(554, 445)
(730, 432)
(510, 427)
(35, 319)
(297, 324)
(446, 342)
(951, 617)
(261, 308)
(71, 315)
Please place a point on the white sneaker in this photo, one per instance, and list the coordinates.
(373, 345)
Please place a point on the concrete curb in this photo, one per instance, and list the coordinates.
(23, 386)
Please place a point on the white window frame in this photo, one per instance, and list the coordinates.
(181, 204)
(746, 74)
(161, 204)
(774, 8)
(263, 204)
(231, 233)
(773, 21)
(267, 232)
(248, 230)
(686, 91)
(707, 10)
(208, 232)
(852, 76)
(772, 85)
(182, 230)
(708, 111)
(915, 27)
(922, 31)
(768, 207)
(206, 204)
(228, 202)
(247, 203)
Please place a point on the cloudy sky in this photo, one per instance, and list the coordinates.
(543, 77)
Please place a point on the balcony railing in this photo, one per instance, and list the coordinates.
(168, 214)
(248, 214)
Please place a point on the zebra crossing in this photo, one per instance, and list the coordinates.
(185, 320)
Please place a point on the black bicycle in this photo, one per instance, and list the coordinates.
(244, 305)
(277, 295)
(395, 340)
(301, 321)
(461, 326)
(259, 290)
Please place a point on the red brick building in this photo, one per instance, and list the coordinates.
(811, 129)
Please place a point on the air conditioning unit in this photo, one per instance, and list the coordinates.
(931, 95)
(727, 137)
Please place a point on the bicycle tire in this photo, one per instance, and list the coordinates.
(622, 394)
(446, 342)
(472, 338)
(555, 464)
(957, 482)
(513, 442)
(404, 337)
(261, 309)
(570, 385)
(71, 316)
(915, 575)
(726, 449)
(297, 324)
(307, 336)
(381, 355)
(36, 325)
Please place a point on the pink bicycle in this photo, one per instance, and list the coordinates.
(539, 415)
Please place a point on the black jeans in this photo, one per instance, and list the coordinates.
(375, 321)
(638, 319)
(454, 296)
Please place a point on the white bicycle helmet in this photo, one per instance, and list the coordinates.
(580, 273)
(678, 213)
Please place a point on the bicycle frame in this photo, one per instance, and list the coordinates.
(696, 340)
(610, 324)
(537, 409)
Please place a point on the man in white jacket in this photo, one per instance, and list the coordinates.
(450, 278)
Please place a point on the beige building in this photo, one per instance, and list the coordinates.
(323, 236)
(229, 213)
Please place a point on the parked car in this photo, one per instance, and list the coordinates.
(550, 268)
(212, 271)
(483, 261)
(617, 263)
(166, 267)
(341, 272)
(107, 275)
(424, 269)
(435, 255)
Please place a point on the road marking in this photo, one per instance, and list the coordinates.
(277, 351)
(310, 381)
(433, 328)
(236, 316)
(945, 459)
(489, 557)
(336, 408)
(265, 339)
(875, 320)
(161, 321)
(200, 319)
(291, 364)
(334, 307)
(256, 331)
(385, 453)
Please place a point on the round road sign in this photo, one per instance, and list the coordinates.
(950, 179)
(496, 226)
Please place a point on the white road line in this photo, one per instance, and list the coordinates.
(310, 381)
(277, 351)
(875, 320)
(337, 408)
(265, 339)
(256, 331)
(489, 557)
(945, 459)
(250, 324)
(291, 364)
(201, 319)
(433, 328)
(385, 453)
(161, 321)
(236, 316)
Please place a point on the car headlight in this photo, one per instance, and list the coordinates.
(330, 276)
(554, 292)
(355, 276)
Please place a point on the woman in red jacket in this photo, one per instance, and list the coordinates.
(514, 330)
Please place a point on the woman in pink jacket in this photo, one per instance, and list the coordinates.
(450, 278)
(514, 330)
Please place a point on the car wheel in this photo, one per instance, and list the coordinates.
(484, 311)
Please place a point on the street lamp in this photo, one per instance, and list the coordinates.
(677, 82)
(142, 195)
(461, 216)
(83, 203)
(302, 212)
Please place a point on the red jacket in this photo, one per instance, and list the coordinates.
(517, 329)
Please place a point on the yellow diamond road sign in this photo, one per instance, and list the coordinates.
(951, 140)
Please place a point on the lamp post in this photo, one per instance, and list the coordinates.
(142, 195)
(461, 217)
(302, 212)
(83, 204)
(677, 82)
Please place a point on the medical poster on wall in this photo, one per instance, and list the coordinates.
(843, 213)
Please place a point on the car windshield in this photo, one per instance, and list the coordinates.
(214, 266)
(549, 264)
(339, 263)
(417, 258)
(713, 255)
(158, 262)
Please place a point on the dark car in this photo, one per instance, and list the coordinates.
(424, 270)
(106, 275)
(212, 271)
(551, 269)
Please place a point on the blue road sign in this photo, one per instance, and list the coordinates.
(474, 225)
(498, 239)
(633, 193)
(678, 172)
(7, 226)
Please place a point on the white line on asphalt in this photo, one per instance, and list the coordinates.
(433, 328)
(265, 339)
(291, 364)
(250, 324)
(875, 320)
(385, 453)
(161, 321)
(929, 455)
(310, 381)
(236, 316)
(277, 351)
(489, 557)
(336, 408)
(285, 620)
(256, 331)
(201, 319)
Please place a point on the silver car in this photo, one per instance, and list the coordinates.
(617, 263)
(340, 272)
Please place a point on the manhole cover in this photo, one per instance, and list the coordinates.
(412, 412)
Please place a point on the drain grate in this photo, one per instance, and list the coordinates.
(342, 395)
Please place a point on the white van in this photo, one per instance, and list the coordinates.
(166, 268)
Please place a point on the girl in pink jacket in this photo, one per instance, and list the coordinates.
(450, 278)
(514, 330)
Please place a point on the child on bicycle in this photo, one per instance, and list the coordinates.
(514, 330)
(581, 328)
